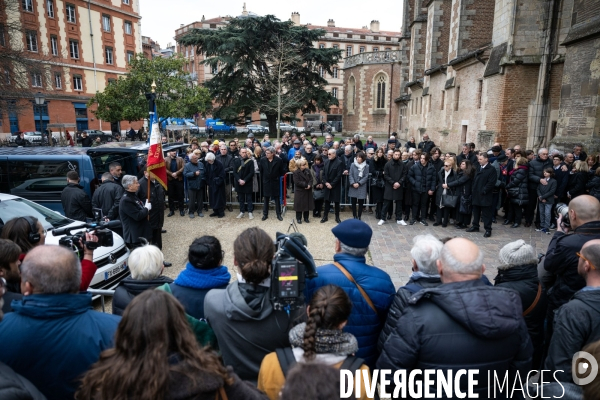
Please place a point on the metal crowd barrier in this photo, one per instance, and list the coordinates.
(101, 293)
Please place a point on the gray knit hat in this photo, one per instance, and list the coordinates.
(517, 253)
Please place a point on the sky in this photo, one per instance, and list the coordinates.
(160, 18)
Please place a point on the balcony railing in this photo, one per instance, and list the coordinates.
(375, 57)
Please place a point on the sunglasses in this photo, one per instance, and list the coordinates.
(446, 165)
(585, 259)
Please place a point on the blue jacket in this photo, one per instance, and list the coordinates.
(363, 323)
(52, 339)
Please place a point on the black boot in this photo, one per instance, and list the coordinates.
(325, 219)
(337, 218)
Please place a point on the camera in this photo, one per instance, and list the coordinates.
(563, 209)
(77, 242)
(291, 266)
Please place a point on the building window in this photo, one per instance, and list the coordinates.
(334, 92)
(479, 93)
(58, 80)
(213, 26)
(71, 13)
(2, 36)
(335, 72)
(128, 28)
(456, 98)
(54, 45)
(348, 51)
(443, 99)
(321, 46)
(7, 76)
(349, 36)
(106, 23)
(74, 49)
(351, 93)
(50, 8)
(111, 81)
(214, 69)
(361, 49)
(129, 56)
(388, 49)
(375, 37)
(36, 79)
(27, 5)
(375, 48)
(126, 2)
(336, 35)
(336, 46)
(77, 83)
(109, 55)
(380, 81)
(32, 41)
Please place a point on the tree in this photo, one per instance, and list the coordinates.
(265, 65)
(177, 97)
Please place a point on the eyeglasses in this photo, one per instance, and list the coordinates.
(446, 165)
(585, 259)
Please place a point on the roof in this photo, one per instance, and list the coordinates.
(362, 31)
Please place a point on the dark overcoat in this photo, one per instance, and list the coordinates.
(215, 179)
(134, 217)
(270, 173)
(332, 174)
(244, 171)
(157, 199)
(303, 197)
(394, 171)
(483, 185)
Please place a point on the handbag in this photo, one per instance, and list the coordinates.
(450, 200)
(465, 203)
(318, 194)
(513, 191)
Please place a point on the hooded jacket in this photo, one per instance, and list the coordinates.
(129, 288)
(246, 325)
(461, 325)
(576, 324)
(54, 338)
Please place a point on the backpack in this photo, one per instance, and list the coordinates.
(287, 360)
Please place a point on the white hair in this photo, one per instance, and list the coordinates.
(451, 263)
(209, 156)
(348, 148)
(146, 262)
(542, 149)
(426, 251)
(128, 180)
(353, 251)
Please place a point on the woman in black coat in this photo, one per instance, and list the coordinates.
(519, 272)
(376, 166)
(463, 186)
(578, 179)
(593, 186)
(422, 178)
(446, 177)
(518, 195)
(318, 193)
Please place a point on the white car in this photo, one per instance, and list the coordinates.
(111, 261)
(283, 127)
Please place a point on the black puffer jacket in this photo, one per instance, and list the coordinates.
(462, 185)
(518, 185)
(461, 325)
(400, 302)
(107, 197)
(576, 324)
(536, 171)
(577, 184)
(129, 288)
(594, 187)
(76, 202)
(562, 261)
(524, 279)
(422, 178)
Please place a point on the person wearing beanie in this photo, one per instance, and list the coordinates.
(350, 271)
(518, 271)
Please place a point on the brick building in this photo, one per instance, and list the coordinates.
(81, 45)
(498, 70)
(351, 41)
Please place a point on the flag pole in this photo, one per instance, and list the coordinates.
(152, 111)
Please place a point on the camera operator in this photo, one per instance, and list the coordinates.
(560, 264)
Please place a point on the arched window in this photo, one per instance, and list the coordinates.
(380, 94)
(351, 92)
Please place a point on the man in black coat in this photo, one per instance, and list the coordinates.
(74, 199)
(483, 186)
(461, 324)
(577, 323)
(561, 261)
(271, 170)
(578, 153)
(86, 141)
(243, 175)
(394, 174)
(215, 179)
(157, 200)
(134, 214)
(332, 178)
(536, 177)
(227, 160)
(426, 145)
(466, 154)
(108, 196)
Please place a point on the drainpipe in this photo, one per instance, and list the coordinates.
(93, 54)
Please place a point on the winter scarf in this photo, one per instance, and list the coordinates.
(197, 278)
(360, 167)
(317, 168)
(326, 340)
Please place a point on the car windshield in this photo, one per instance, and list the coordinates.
(14, 208)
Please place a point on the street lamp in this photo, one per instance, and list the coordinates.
(39, 101)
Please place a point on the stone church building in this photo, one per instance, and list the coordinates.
(484, 71)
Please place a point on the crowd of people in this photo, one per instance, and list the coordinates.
(206, 336)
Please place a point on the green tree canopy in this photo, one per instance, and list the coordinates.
(265, 65)
(176, 96)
